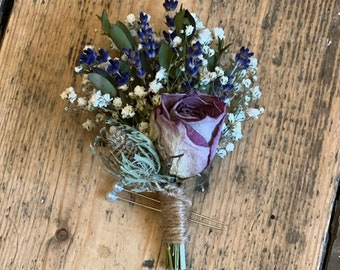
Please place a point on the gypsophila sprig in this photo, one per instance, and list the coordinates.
(167, 102)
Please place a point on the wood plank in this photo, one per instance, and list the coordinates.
(274, 193)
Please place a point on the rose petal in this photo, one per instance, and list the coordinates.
(216, 135)
(196, 137)
(193, 158)
(206, 127)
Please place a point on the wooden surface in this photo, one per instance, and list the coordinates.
(274, 193)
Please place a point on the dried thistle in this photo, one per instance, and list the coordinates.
(131, 157)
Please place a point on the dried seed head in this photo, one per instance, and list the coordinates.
(119, 143)
(131, 157)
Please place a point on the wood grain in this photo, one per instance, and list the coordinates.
(274, 193)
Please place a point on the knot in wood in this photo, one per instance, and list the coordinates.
(61, 234)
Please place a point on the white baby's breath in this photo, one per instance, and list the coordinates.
(254, 113)
(219, 33)
(100, 117)
(177, 41)
(230, 147)
(156, 100)
(141, 104)
(85, 79)
(221, 153)
(256, 93)
(139, 91)
(117, 102)
(161, 74)
(208, 51)
(224, 80)
(98, 100)
(188, 30)
(243, 73)
(69, 94)
(89, 125)
(246, 83)
(253, 63)
(123, 87)
(155, 86)
(82, 101)
(204, 36)
(198, 23)
(78, 69)
(143, 127)
(236, 132)
(219, 71)
(127, 111)
(131, 18)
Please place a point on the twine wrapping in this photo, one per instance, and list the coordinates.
(175, 206)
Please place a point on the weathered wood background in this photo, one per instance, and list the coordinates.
(274, 193)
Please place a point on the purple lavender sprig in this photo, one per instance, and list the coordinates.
(194, 60)
(242, 58)
(146, 37)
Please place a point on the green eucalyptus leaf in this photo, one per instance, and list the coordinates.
(179, 21)
(211, 63)
(146, 64)
(127, 33)
(165, 55)
(124, 67)
(183, 19)
(189, 20)
(101, 82)
(104, 73)
(121, 36)
(105, 23)
(118, 32)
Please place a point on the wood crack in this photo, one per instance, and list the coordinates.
(5, 12)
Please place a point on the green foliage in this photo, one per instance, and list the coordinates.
(118, 32)
(165, 55)
(183, 19)
(101, 81)
(121, 36)
(105, 22)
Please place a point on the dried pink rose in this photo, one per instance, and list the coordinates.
(188, 128)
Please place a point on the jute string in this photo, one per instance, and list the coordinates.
(175, 206)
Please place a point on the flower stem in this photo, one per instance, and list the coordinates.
(169, 258)
(182, 255)
(176, 257)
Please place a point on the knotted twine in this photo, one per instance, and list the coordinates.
(175, 206)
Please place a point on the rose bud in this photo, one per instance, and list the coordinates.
(187, 128)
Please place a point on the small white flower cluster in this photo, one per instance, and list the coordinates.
(98, 100)
(69, 94)
(157, 83)
(127, 111)
(89, 125)
(245, 86)
(208, 40)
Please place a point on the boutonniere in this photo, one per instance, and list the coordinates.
(166, 105)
